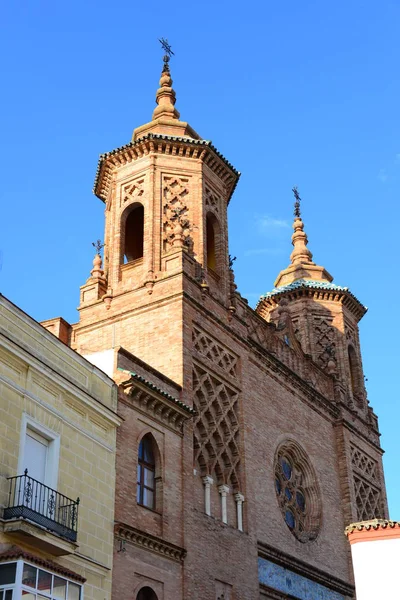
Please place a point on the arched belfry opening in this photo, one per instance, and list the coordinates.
(213, 243)
(146, 593)
(133, 234)
(355, 375)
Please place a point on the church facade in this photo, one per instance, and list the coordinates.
(247, 443)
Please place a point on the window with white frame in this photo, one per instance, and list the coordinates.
(39, 452)
(21, 579)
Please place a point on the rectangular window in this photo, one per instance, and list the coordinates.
(23, 580)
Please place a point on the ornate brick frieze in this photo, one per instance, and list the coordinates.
(133, 191)
(213, 200)
(367, 486)
(216, 427)
(176, 223)
(146, 541)
(209, 348)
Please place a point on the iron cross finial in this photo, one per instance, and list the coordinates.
(168, 53)
(98, 245)
(297, 203)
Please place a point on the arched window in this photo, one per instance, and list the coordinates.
(146, 473)
(211, 254)
(146, 593)
(355, 375)
(134, 234)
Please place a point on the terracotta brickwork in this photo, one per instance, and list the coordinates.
(218, 387)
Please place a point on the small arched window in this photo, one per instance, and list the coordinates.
(146, 593)
(211, 258)
(146, 473)
(213, 243)
(134, 234)
(355, 375)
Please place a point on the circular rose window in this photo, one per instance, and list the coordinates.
(297, 491)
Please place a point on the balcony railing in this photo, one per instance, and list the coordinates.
(30, 499)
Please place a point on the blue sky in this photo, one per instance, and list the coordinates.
(303, 93)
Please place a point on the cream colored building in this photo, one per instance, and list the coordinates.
(58, 425)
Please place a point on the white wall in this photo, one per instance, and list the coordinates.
(376, 567)
(103, 360)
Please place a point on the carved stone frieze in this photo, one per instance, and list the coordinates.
(146, 541)
(176, 224)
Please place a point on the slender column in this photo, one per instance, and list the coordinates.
(208, 481)
(224, 491)
(239, 498)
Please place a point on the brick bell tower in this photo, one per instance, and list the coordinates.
(320, 316)
(166, 194)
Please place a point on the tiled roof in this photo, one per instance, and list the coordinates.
(154, 387)
(15, 553)
(373, 524)
(158, 136)
(309, 283)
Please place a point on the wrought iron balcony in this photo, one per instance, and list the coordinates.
(32, 500)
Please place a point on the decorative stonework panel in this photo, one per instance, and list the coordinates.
(324, 340)
(368, 499)
(213, 201)
(176, 223)
(133, 191)
(366, 484)
(216, 428)
(364, 464)
(215, 352)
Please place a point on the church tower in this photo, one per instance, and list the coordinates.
(321, 318)
(166, 194)
(247, 443)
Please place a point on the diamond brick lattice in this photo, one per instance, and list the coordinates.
(363, 463)
(217, 354)
(368, 500)
(216, 428)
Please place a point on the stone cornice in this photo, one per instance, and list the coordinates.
(163, 144)
(316, 290)
(149, 542)
(374, 524)
(152, 401)
(304, 569)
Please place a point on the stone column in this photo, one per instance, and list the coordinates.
(224, 491)
(239, 498)
(208, 481)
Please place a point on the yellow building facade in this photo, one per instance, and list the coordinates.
(58, 424)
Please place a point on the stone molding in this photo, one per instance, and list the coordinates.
(154, 402)
(144, 540)
(304, 569)
(163, 144)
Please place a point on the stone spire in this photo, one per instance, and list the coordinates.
(302, 266)
(165, 96)
(165, 119)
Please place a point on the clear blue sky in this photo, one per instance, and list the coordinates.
(291, 92)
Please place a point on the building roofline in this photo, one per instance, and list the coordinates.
(207, 144)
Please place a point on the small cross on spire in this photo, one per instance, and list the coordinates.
(297, 202)
(168, 53)
(98, 245)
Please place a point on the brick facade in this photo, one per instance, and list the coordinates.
(172, 329)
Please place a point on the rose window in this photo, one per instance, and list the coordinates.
(297, 492)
